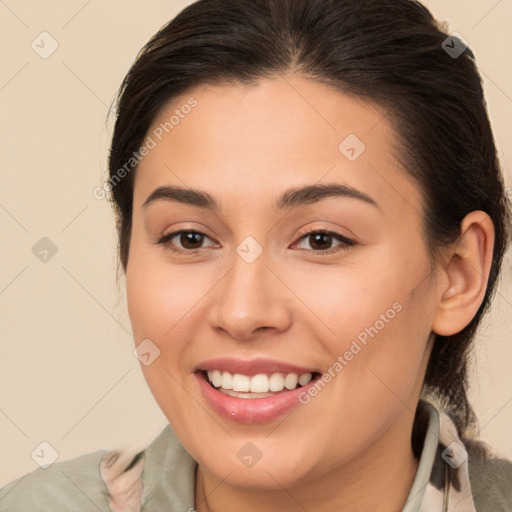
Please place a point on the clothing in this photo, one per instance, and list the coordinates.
(161, 478)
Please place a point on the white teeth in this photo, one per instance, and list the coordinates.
(276, 382)
(260, 383)
(291, 380)
(216, 378)
(227, 381)
(304, 379)
(241, 382)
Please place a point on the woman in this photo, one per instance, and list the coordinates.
(312, 221)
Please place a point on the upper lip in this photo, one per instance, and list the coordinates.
(251, 366)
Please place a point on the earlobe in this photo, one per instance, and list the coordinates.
(465, 275)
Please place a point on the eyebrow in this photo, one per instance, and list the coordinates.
(292, 198)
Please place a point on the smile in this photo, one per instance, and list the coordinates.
(256, 386)
(252, 392)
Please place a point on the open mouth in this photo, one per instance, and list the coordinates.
(261, 385)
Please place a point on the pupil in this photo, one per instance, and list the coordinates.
(188, 240)
(318, 238)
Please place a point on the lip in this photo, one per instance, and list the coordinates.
(251, 410)
(252, 367)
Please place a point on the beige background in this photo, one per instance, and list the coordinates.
(67, 372)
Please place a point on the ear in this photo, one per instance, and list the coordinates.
(462, 278)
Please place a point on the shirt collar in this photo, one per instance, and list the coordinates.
(167, 472)
(442, 477)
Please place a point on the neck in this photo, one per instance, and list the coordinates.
(379, 479)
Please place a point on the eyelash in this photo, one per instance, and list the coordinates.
(346, 243)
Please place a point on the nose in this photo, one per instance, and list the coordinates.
(250, 302)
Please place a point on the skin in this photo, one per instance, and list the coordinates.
(349, 448)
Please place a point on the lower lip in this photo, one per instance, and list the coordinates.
(250, 410)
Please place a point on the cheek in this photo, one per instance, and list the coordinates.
(157, 306)
(349, 302)
(165, 306)
(160, 297)
(374, 329)
(384, 361)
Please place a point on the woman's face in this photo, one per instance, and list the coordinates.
(260, 299)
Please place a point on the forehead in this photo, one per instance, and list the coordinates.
(281, 132)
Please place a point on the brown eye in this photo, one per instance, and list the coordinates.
(191, 240)
(321, 242)
(183, 241)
